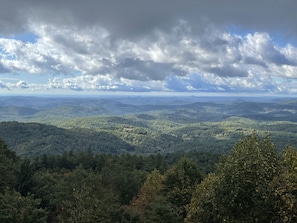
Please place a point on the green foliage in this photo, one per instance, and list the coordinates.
(115, 127)
(90, 188)
(16, 208)
(203, 208)
(240, 189)
(179, 184)
(143, 206)
(251, 184)
(244, 180)
(25, 173)
(285, 188)
(8, 161)
(165, 197)
(88, 199)
(34, 139)
(290, 159)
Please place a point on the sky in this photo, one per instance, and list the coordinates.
(137, 46)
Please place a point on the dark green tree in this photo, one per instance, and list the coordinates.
(86, 199)
(8, 163)
(16, 208)
(179, 184)
(25, 173)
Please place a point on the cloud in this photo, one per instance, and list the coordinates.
(152, 45)
(157, 57)
(85, 82)
(260, 47)
(2, 68)
(136, 69)
(227, 70)
(3, 85)
(22, 84)
(131, 18)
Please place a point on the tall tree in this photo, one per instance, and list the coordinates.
(285, 188)
(140, 206)
(8, 160)
(242, 185)
(203, 208)
(25, 173)
(244, 180)
(180, 183)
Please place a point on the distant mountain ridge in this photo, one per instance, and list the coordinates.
(30, 109)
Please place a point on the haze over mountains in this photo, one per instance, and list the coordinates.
(32, 108)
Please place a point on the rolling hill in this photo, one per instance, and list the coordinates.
(32, 126)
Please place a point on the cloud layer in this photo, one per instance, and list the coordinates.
(150, 46)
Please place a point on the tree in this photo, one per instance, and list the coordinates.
(180, 183)
(163, 198)
(25, 172)
(8, 161)
(244, 180)
(202, 208)
(285, 188)
(151, 206)
(88, 199)
(16, 208)
(140, 206)
(240, 189)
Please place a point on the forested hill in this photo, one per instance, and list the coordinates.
(141, 125)
(34, 139)
(47, 109)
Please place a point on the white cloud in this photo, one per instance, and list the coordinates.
(183, 57)
(87, 82)
(22, 84)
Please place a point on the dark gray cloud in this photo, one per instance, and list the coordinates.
(255, 61)
(136, 17)
(11, 19)
(278, 58)
(227, 70)
(136, 69)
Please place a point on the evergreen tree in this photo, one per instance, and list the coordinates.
(8, 163)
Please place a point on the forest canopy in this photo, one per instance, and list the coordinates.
(254, 183)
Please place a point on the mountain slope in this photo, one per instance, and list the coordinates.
(33, 139)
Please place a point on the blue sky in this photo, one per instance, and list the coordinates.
(191, 46)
